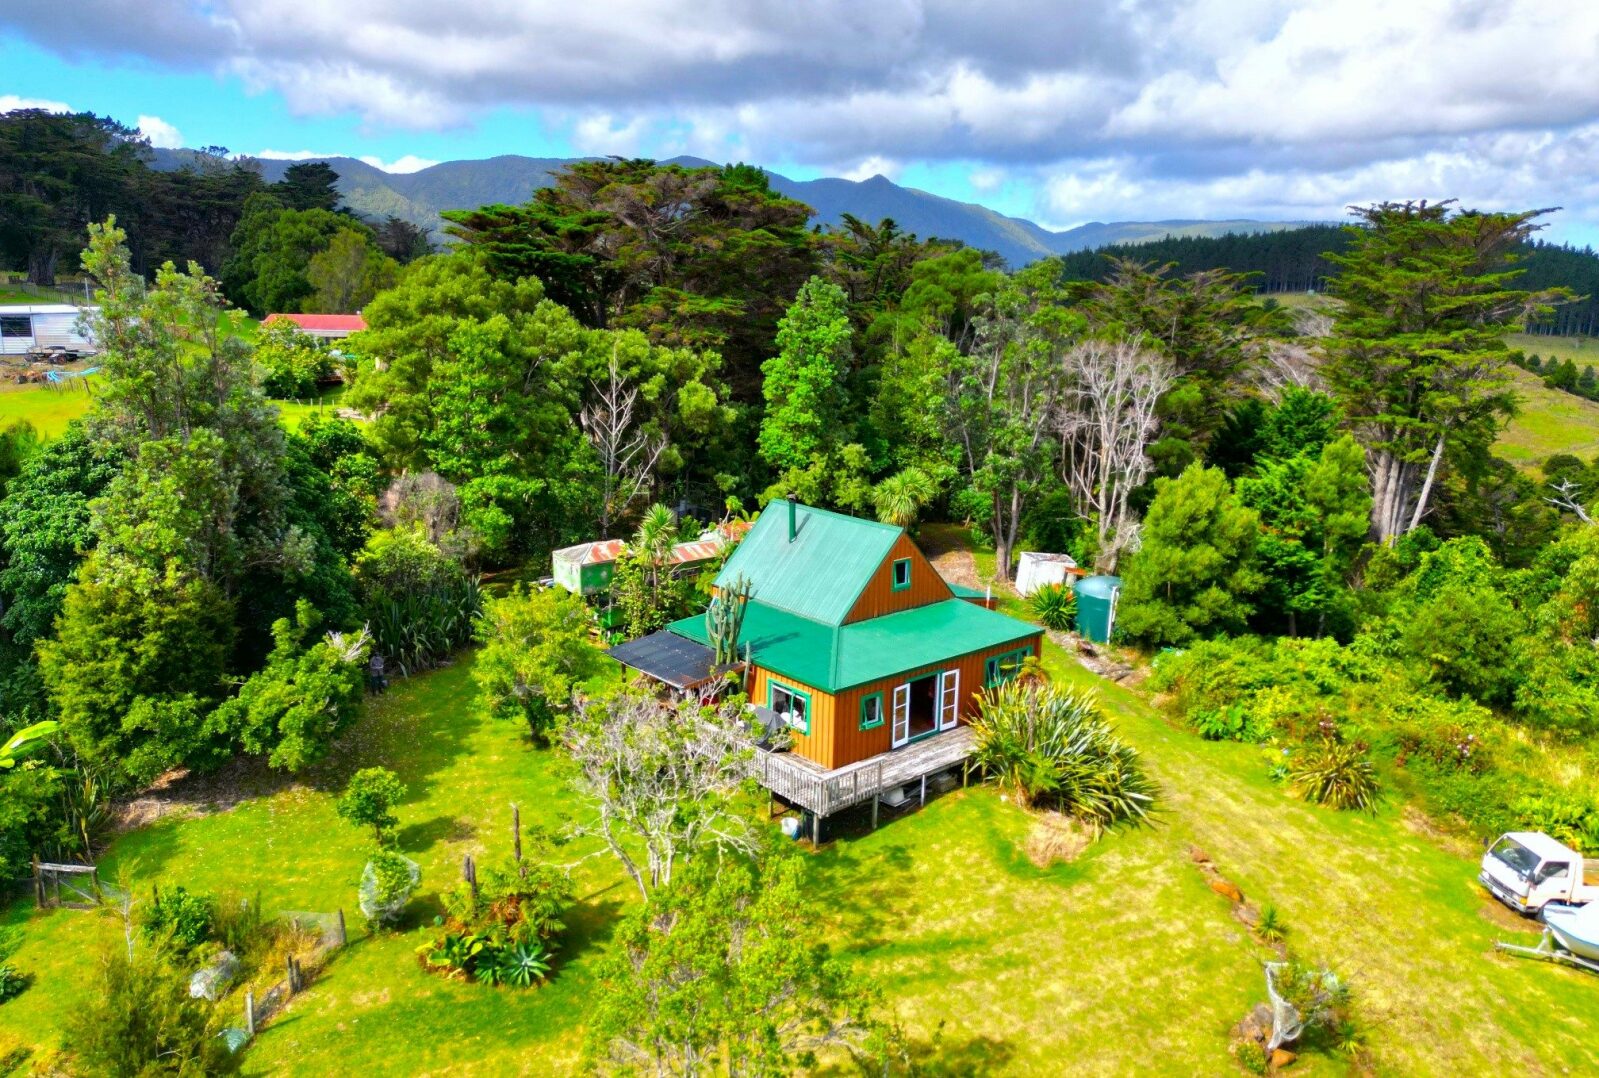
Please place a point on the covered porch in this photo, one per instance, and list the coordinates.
(823, 793)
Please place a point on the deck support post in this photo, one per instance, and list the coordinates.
(874, 812)
(924, 790)
(816, 829)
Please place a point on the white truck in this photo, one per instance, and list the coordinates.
(1527, 869)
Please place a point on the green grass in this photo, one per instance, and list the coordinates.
(50, 410)
(1121, 960)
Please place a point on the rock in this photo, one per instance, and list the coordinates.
(1227, 889)
(1198, 856)
(1256, 1025)
(1281, 1057)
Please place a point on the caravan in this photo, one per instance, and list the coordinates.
(45, 329)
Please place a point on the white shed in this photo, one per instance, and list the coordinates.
(41, 327)
(1037, 569)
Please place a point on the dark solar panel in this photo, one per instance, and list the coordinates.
(667, 657)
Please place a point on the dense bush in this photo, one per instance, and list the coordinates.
(140, 1020)
(387, 884)
(536, 650)
(421, 602)
(505, 930)
(1055, 606)
(1338, 774)
(291, 362)
(1053, 746)
(183, 917)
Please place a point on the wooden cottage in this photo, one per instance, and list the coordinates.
(857, 645)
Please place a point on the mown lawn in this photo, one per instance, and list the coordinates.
(1122, 961)
(50, 410)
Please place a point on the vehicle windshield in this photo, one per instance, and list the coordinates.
(1512, 853)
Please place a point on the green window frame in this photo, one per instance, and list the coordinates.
(796, 696)
(868, 723)
(1001, 668)
(902, 574)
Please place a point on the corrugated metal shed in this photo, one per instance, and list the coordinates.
(820, 573)
(833, 658)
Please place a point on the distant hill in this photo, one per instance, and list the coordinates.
(420, 196)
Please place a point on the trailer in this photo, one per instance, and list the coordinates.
(46, 329)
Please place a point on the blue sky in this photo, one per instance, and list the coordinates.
(1059, 110)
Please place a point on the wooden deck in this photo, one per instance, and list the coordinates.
(802, 782)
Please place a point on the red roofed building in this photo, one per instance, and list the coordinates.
(329, 327)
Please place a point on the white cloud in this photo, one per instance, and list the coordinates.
(160, 133)
(400, 165)
(13, 103)
(1171, 107)
(292, 155)
(873, 166)
(600, 133)
(986, 179)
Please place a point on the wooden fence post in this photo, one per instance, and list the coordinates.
(516, 839)
(38, 882)
(343, 938)
(249, 1012)
(469, 874)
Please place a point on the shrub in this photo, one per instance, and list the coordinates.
(1055, 606)
(1270, 926)
(141, 1021)
(1052, 745)
(1252, 1057)
(1565, 815)
(536, 650)
(183, 917)
(1319, 996)
(12, 983)
(369, 801)
(291, 362)
(1337, 774)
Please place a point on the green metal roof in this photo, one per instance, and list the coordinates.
(819, 574)
(834, 658)
(961, 591)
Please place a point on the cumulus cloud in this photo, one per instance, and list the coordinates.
(1222, 106)
(13, 103)
(160, 133)
(400, 165)
(872, 166)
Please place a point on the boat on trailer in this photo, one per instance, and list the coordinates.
(1570, 937)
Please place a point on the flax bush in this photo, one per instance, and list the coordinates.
(1053, 746)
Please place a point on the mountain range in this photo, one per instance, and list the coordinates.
(420, 196)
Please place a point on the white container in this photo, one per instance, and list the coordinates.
(1037, 569)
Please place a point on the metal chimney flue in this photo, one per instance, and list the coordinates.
(793, 521)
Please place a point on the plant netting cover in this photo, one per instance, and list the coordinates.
(235, 1038)
(1286, 1022)
(373, 907)
(212, 981)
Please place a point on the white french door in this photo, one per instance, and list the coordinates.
(949, 696)
(901, 731)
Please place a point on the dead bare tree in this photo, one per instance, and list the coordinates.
(1107, 421)
(1568, 498)
(627, 451)
(664, 776)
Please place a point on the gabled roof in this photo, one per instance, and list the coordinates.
(821, 572)
(833, 657)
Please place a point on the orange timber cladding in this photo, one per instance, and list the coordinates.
(836, 738)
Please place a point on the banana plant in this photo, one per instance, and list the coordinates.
(24, 741)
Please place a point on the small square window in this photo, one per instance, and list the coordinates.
(792, 706)
(902, 574)
(871, 711)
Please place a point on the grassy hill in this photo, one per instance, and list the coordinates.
(1551, 421)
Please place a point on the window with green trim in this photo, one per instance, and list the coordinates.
(871, 711)
(791, 705)
(902, 574)
(1001, 668)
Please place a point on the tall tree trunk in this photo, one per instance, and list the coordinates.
(1426, 486)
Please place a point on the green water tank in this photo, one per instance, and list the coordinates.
(1096, 606)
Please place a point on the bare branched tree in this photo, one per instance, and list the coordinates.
(1107, 422)
(627, 451)
(664, 776)
(1567, 497)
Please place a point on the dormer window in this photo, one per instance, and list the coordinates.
(902, 574)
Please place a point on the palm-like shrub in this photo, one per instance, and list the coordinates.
(1052, 745)
(1055, 606)
(1335, 773)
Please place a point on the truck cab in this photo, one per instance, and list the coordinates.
(1526, 870)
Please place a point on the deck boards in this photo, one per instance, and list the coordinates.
(824, 792)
